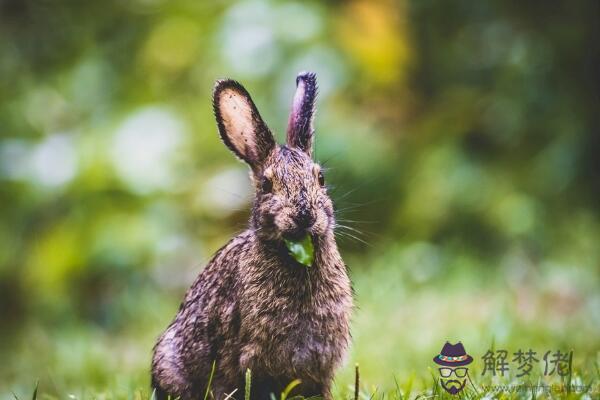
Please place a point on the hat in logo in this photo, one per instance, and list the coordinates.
(453, 355)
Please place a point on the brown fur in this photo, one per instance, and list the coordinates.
(253, 306)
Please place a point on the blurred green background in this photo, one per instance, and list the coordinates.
(461, 140)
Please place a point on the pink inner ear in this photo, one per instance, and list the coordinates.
(238, 122)
(297, 103)
(300, 129)
(240, 125)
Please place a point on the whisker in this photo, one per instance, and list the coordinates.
(233, 194)
(349, 228)
(333, 156)
(351, 236)
(359, 232)
(348, 208)
(354, 221)
(348, 193)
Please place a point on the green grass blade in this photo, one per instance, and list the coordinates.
(210, 378)
(248, 384)
(35, 391)
(289, 388)
(398, 391)
(356, 381)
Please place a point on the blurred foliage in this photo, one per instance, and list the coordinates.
(461, 141)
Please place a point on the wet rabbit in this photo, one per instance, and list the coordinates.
(254, 306)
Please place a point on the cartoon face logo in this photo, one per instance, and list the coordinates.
(452, 360)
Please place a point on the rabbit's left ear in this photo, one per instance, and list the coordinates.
(300, 130)
(240, 125)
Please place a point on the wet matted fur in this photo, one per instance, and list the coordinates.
(253, 306)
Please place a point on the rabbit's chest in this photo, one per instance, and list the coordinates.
(294, 325)
(294, 337)
(295, 350)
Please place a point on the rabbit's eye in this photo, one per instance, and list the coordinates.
(266, 185)
(321, 178)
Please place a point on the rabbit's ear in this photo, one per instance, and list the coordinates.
(300, 130)
(240, 125)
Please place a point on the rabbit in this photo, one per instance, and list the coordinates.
(254, 306)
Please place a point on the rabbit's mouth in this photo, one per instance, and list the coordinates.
(295, 234)
(300, 249)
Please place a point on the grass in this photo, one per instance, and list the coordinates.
(408, 305)
(576, 388)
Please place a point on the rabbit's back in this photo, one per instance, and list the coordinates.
(206, 328)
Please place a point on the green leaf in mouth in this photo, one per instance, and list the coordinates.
(302, 250)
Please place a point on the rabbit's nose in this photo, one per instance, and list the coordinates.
(304, 219)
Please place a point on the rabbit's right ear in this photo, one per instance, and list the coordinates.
(240, 125)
